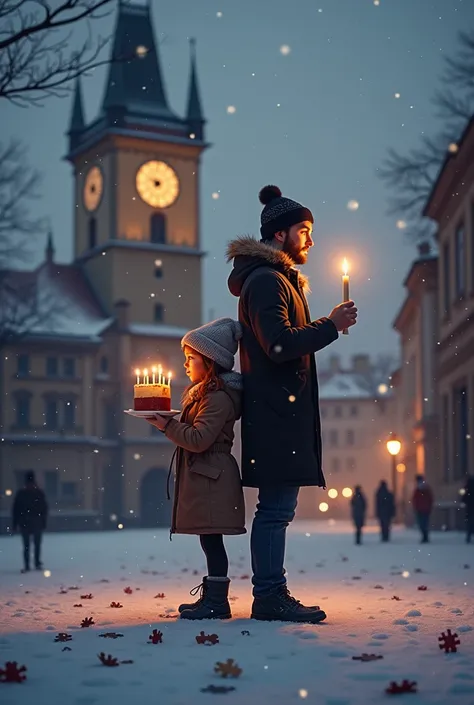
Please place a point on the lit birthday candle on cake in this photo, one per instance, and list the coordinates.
(153, 370)
(145, 377)
(137, 372)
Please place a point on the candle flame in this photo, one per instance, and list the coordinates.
(153, 369)
(145, 371)
(170, 374)
(345, 267)
(137, 372)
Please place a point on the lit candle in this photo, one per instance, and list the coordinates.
(345, 287)
(137, 372)
(146, 378)
(169, 379)
(153, 369)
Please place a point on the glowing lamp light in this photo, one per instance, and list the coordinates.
(393, 445)
(323, 507)
(401, 467)
(347, 492)
(333, 494)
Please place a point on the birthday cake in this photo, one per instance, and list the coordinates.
(152, 397)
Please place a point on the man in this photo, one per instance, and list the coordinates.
(384, 510)
(422, 501)
(281, 437)
(30, 513)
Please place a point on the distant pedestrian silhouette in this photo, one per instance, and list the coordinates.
(468, 501)
(384, 510)
(30, 513)
(358, 509)
(422, 502)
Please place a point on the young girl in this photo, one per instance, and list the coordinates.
(208, 498)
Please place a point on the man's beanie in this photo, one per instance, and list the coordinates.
(217, 340)
(279, 213)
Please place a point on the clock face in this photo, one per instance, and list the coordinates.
(93, 187)
(157, 184)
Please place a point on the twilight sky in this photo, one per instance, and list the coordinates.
(316, 121)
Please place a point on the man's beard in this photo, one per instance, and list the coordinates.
(297, 254)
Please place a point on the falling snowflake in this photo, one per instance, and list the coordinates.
(285, 49)
(353, 205)
(303, 693)
(323, 507)
(453, 148)
(141, 51)
(397, 95)
(219, 14)
(401, 224)
(377, 2)
(215, 195)
(231, 109)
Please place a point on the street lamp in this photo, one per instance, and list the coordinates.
(394, 446)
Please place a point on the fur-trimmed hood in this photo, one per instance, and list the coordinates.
(249, 254)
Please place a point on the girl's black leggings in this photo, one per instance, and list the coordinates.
(216, 555)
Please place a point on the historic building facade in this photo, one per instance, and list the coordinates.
(133, 290)
(415, 387)
(451, 206)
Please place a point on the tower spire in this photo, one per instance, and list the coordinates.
(194, 113)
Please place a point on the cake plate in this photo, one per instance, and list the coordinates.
(150, 414)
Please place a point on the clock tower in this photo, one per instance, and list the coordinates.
(136, 184)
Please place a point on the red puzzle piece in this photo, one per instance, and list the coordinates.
(156, 637)
(448, 641)
(12, 674)
(207, 638)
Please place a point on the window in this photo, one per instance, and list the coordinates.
(22, 407)
(92, 233)
(69, 490)
(52, 367)
(354, 410)
(158, 268)
(350, 437)
(446, 279)
(460, 431)
(337, 412)
(333, 438)
(460, 263)
(69, 414)
(51, 413)
(159, 313)
(69, 367)
(110, 419)
(23, 365)
(350, 464)
(446, 439)
(104, 365)
(51, 484)
(158, 229)
(335, 465)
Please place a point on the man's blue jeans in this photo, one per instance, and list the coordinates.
(275, 510)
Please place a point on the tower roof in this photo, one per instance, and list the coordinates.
(135, 83)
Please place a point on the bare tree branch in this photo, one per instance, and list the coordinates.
(19, 185)
(35, 59)
(410, 177)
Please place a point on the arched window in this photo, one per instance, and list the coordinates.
(158, 229)
(92, 233)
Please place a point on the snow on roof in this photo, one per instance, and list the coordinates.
(157, 330)
(58, 302)
(345, 385)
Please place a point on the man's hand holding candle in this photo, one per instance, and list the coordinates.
(344, 315)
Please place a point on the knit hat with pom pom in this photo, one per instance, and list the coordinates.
(279, 213)
(217, 340)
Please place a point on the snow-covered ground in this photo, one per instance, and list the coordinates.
(282, 663)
